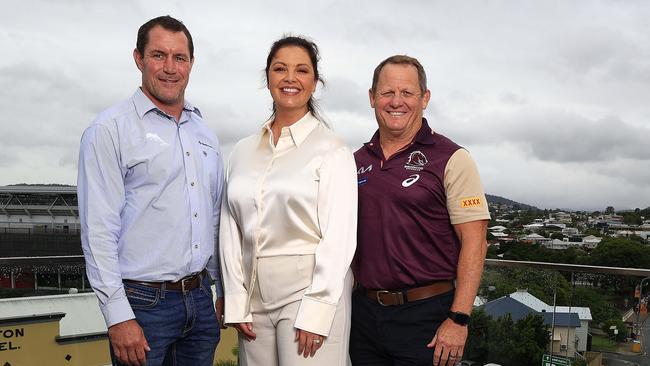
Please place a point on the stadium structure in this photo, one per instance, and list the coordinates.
(40, 247)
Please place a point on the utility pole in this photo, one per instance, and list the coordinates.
(553, 319)
(638, 308)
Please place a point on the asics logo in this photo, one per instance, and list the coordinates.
(410, 180)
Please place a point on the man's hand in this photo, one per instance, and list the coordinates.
(218, 307)
(129, 344)
(245, 329)
(448, 343)
(308, 342)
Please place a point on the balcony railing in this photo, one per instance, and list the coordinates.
(587, 314)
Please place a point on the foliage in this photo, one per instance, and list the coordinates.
(226, 363)
(504, 341)
(599, 301)
(592, 231)
(620, 252)
(528, 216)
(622, 329)
(539, 283)
(538, 253)
(578, 362)
(492, 252)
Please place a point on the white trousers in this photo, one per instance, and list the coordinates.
(274, 319)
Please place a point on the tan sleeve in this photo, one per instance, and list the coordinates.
(465, 197)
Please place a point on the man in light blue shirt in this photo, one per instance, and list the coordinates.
(149, 186)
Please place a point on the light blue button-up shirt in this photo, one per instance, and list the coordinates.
(149, 194)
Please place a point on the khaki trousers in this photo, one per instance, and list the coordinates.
(274, 318)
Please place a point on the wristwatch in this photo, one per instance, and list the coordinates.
(458, 317)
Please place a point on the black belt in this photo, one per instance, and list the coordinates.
(185, 284)
(389, 298)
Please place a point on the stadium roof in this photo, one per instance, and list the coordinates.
(39, 200)
(43, 189)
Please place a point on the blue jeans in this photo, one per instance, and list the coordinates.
(181, 329)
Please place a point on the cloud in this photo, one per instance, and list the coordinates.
(550, 97)
(345, 95)
(554, 135)
(565, 137)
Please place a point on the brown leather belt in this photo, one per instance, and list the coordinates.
(389, 298)
(185, 284)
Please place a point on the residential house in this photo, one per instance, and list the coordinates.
(591, 242)
(536, 239)
(584, 314)
(564, 325)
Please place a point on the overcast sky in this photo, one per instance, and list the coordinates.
(552, 98)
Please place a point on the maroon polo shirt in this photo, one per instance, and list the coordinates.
(405, 236)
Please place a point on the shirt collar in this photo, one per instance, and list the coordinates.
(299, 130)
(425, 134)
(144, 105)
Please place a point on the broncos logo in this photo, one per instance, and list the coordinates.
(416, 159)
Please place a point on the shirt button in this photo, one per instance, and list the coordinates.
(196, 246)
(187, 153)
(192, 184)
(196, 214)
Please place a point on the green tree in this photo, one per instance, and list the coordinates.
(621, 252)
(599, 301)
(620, 326)
(477, 336)
(506, 342)
(539, 283)
(533, 338)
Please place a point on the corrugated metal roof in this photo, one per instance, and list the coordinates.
(38, 189)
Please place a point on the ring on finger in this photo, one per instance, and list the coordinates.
(316, 340)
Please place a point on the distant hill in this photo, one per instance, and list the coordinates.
(504, 201)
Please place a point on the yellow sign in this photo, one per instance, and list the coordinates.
(10, 338)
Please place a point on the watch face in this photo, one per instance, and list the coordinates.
(459, 318)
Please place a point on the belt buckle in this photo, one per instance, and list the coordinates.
(382, 292)
(183, 280)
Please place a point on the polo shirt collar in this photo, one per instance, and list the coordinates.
(425, 134)
(298, 130)
(144, 105)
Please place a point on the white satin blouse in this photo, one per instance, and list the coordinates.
(298, 197)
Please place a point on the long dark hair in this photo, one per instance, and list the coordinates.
(312, 50)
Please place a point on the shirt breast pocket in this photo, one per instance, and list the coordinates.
(210, 165)
(147, 162)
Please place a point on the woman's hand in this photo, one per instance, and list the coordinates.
(308, 342)
(245, 329)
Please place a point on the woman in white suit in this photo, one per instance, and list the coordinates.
(288, 225)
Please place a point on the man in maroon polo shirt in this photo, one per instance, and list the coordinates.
(421, 233)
